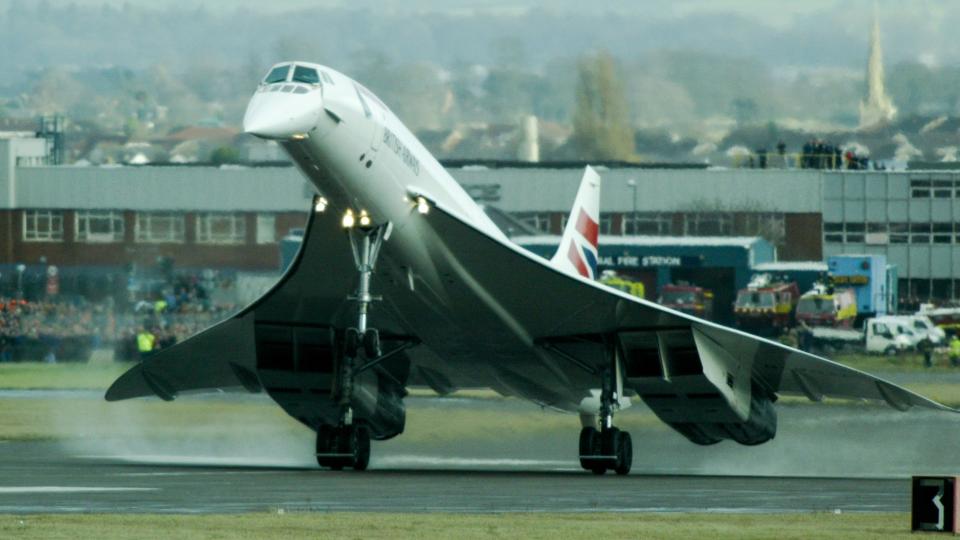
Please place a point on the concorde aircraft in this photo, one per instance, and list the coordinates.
(403, 280)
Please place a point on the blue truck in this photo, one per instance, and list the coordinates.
(872, 279)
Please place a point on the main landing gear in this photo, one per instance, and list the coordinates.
(348, 443)
(606, 448)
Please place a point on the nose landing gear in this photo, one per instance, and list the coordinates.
(348, 443)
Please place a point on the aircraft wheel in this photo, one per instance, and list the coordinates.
(611, 443)
(325, 439)
(360, 443)
(589, 446)
(624, 454)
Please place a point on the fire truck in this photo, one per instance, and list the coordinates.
(629, 286)
(766, 306)
(827, 307)
(687, 298)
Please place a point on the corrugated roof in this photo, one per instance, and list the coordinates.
(806, 266)
(211, 189)
(745, 242)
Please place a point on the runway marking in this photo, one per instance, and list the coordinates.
(193, 473)
(209, 461)
(419, 461)
(69, 489)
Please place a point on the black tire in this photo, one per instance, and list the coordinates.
(324, 440)
(342, 444)
(360, 442)
(890, 351)
(371, 343)
(610, 446)
(624, 454)
(589, 436)
(351, 343)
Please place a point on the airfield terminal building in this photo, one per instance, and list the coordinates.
(657, 225)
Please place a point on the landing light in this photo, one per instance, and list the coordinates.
(422, 206)
(364, 219)
(299, 136)
(348, 219)
(321, 205)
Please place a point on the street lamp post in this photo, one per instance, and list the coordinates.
(633, 185)
(21, 268)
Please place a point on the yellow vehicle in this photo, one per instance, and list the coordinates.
(827, 307)
(611, 279)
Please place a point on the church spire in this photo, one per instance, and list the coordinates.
(877, 107)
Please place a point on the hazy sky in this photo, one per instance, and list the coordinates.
(778, 12)
(782, 33)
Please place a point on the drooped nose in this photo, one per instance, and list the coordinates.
(275, 114)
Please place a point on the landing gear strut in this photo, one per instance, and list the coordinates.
(348, 443)
(607, 448)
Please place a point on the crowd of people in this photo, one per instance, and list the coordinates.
(58, 328)
(815, 154)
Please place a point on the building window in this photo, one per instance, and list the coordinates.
(940, 289)
(707, 224)
(606, 224)
(221, 228)
(771, 226)
(649, 224)
(42, 226)
(159, 228)
(98, 226)
(539, 221)
(266, 229)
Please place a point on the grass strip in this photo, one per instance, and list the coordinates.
(292, 525)
(66, 376)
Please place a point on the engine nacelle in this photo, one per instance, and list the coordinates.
(697, 387)
(759, 428)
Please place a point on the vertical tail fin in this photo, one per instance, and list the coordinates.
(578, 247)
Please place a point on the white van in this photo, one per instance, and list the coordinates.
(923, 327)
(887, 335)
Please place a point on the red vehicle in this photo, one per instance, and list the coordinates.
(690, 299)
(830, 308)
(947, 318)
(766, 306)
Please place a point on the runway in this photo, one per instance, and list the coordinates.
(38, 478)
(824, 459)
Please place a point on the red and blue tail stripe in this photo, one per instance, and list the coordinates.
(585, 259)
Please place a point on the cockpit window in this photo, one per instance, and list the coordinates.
(277, 74)
(305, 75)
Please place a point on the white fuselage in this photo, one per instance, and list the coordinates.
(355, 151)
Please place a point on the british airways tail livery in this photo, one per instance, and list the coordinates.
(403, 280)
(578, 246)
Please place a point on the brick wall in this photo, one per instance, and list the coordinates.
(247, 256)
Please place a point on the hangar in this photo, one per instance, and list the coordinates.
(721, 264)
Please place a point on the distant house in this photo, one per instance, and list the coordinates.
(195, 143)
